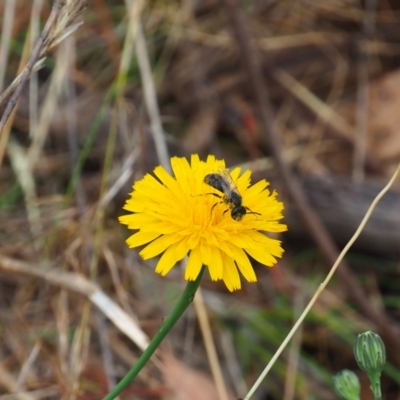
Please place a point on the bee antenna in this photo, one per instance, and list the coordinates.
(249, 211)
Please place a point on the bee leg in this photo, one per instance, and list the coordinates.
(212, 208)
(215, 194)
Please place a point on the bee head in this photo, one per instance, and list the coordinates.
(237, 213)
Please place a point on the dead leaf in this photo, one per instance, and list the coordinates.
(187, 383)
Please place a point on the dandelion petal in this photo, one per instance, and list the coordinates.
(231, 275)
(170, 257)
(158, 246)
(215, 265)
(141, 238)
(194, 264)
(244, 265)
(265, 255)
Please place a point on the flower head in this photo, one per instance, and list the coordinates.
(183, 215)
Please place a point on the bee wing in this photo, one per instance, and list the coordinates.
(221, 180)
(231, 186)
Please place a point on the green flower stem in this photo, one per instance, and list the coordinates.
(376, 390)
(180, 307)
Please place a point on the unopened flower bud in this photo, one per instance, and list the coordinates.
(346, 385)
(370, 353)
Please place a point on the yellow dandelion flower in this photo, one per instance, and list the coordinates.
(185, 216)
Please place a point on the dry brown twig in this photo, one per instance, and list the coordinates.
(60, 24)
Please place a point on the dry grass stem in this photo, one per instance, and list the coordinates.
(321, 109)
(60, 24)
(210, 345)
(80, 284)
(51, 391)
(8, 19)
(150, 97)
(23, 172)
(49, 108)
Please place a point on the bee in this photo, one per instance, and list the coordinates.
(222, 181)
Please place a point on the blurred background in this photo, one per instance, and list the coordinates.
(306, 94)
